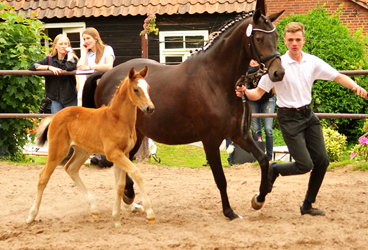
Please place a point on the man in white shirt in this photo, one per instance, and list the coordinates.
(299, 125)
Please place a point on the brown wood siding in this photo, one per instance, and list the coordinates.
(122, 32)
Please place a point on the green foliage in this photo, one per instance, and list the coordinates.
(335, 144)
(19, 47)
(327, 38)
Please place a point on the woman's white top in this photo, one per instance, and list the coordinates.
(91, 56)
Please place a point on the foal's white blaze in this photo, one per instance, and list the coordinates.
(144, 86)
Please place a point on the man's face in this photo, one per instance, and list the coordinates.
(294, 42)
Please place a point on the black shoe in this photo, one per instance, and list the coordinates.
(206, 164)
(230, 163)
(272, 175)
(312, 211)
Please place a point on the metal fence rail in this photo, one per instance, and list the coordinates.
(254, 115)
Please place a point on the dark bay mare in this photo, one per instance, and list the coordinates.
(196, 100)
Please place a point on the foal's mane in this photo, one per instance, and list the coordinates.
(225, 27)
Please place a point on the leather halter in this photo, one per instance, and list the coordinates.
(253, 48)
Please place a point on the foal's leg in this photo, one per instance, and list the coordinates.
(127, 166)
(134, 207)
(72, 168)
(55, 156)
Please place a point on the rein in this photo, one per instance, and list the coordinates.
(247, 80)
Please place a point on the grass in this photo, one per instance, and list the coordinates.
(194, 157)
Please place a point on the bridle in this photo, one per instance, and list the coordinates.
(246, 119)
(261, 61)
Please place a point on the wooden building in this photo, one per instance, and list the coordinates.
(184, 25)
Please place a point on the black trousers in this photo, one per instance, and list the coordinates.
(302, 132)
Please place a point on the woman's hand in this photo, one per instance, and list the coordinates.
(83, 67)
(56, 70)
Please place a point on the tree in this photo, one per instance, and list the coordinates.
(327, 38)
(19, 46)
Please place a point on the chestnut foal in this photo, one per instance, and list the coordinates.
(109, 130)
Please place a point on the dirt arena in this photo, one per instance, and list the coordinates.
(188, 211)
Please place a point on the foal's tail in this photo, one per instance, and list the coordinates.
(89, 89)
(42, 130)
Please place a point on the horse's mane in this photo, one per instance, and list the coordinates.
(225, 27)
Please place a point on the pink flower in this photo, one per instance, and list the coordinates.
(363, 140)
(352, 155)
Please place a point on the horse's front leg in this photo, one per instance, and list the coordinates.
(250, 146)
(214, 159)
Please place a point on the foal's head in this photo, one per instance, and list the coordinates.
(139, 90)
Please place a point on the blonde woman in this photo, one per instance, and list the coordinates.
(95, 55)
(61, 90)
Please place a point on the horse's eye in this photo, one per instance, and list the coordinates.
(259, 40)
(135, 90)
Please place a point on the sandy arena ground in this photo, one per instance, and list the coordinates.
(188, 211)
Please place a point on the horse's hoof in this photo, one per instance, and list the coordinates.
(256, 204)
(117, 224)
(94, 215)
(128, 200)
(29, 220)
(152, 221)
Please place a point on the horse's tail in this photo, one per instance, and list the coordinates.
(88, 96)
(42, 130)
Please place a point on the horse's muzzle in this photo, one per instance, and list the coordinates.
(148, 109)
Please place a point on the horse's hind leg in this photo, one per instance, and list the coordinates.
(127, 166)
(55, 156)
(72, 168)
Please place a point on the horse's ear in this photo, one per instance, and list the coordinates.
(257, 14)
(131, 73)
(274, 16)
(144, 72)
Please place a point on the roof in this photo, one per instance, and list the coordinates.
(95, 8)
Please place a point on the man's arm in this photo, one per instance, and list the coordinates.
(347, 82)
(252, 94)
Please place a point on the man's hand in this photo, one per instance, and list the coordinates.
(360, 91)
(239, 90)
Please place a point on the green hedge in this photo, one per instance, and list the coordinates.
(19, 46)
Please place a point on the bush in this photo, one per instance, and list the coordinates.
(19, 47)
(327, 38)
(335, 144)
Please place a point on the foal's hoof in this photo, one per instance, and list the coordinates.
(256, 204)
(152, 221)
(95, 215)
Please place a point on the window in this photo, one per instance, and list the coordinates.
(175, 46)
(72, 30)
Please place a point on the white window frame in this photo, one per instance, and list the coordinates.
(72, 27)
(184, 52)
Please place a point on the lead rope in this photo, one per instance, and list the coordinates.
(247, 109)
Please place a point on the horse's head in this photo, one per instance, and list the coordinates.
(139, 90)
(263, 36)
